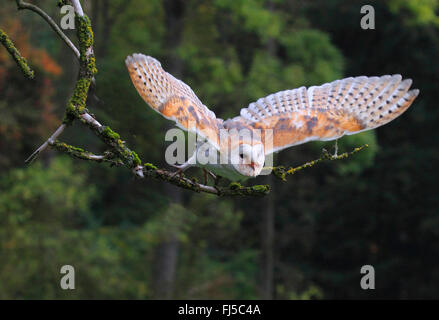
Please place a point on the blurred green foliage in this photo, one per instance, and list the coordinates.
(419, 11)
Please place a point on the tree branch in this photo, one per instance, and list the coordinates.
(21, 62)
(24, 5)
(52, 138)
(82, 154)
(281, 173)
(234, 188)
(78, 8)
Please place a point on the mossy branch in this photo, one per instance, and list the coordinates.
(82, 154)
(19, 59)
(233, 189)
(281, 172)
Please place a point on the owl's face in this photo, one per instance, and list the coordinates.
(248, 160)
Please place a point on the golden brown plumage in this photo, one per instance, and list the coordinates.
(171, 97)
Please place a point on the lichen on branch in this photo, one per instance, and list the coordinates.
(87, 70)
(13, 51)
(76, 107)
(82, 154)
(281, 173)
(233, 189)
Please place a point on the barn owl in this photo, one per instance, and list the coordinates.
(286, 118)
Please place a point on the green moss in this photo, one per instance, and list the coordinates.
(235, 185)
(72, 148)
(236, 189)
(261, 188)
(150, 166)
(70, 108)
(69, 149)
(80, 94)
(110, 133)
(121, 144)
(87, 70)
(84, 32)
(129, 157)
(70, 115)
(62, 3)
(136, 158)
(19, 59)
(92, 66)
(86, 40)
(279, 172)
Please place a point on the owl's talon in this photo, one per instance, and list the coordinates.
(181, 168)
(336, 147)
(214, 177)
(218, 178)
(205, 176)
(207, 172)
(178, 172)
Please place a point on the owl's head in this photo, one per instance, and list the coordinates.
(248, 159)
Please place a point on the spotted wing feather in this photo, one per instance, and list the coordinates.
(172, 97)
(329, 111)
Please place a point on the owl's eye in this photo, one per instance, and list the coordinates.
(241, 155)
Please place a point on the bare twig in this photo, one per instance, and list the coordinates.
(78, 8)
(24, 5)
(21, 62)
(52, 138)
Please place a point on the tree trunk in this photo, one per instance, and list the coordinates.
(267, 243)
(167, 251)
(267, 229)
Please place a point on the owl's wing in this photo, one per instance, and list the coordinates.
(329, 111)
(172, 98)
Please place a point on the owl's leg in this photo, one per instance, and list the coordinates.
(206, 173)
(205, 176)
(182, 168)
(336, 147)
(217, 180)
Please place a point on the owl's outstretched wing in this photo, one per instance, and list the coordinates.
(172, 98)
(330, 111)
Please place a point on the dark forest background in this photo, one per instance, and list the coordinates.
(308, 239)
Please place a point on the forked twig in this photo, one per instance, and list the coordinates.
(24, 5)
